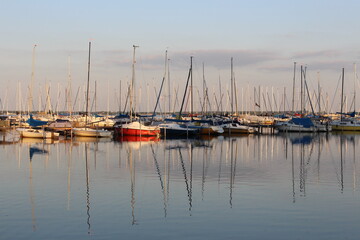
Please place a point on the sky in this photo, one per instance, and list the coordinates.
(264, 38)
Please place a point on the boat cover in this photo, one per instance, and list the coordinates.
(35, 123)
(305, 122)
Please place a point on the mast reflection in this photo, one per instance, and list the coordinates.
(161, 180)
(187, 184)
(87, 189)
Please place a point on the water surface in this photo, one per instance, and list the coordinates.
(291, 186)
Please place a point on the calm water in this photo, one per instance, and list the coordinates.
(252, 187)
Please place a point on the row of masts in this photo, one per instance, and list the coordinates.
(262, 101)
(266, 101)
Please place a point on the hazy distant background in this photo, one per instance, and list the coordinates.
(263, 37)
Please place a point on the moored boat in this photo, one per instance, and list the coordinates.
(174, 129)
(89, 132)
(237, 128)
(296, 125)
(37, 133)
(346, 125)
(137, 129)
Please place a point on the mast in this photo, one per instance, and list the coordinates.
(220, 97)
(132, 85)
(160, 91)
(95, 97)
(191, 82)
(293, 93)
(120, 97)
(204, 85)
(236, 99)
(301, 90)
(87, 87)
(342, 95)
(186, 87)
(355, 87)
(319, 93)
(169, 85)
(69, 91)
(31, 103)
(232, 87)
(284, 98)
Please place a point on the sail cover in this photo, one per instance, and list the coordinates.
(35, 123)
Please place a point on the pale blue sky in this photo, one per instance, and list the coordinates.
(264, 37)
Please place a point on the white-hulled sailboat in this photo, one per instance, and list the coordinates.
(88, 132)
(36, 133)
(345, 124)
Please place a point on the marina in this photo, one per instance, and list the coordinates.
(179, 120)
(214, 187)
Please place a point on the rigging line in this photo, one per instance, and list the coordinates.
(76, 97)
(337, 87)
(186, 87)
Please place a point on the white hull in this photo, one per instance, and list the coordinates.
(346, 125)
(87, 132)
(289, 127)
(295, 128)
(235, 128)
(35, 133)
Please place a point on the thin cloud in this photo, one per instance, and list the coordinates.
(212, 58)
(328, 65)
(318, 54)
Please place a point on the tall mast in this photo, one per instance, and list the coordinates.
(169, 85)
(231, 87)
(31, 103)
(191, 82)
(87, 87)
(204, 85)
(69, 91)
(342, 95)
(132, 84)
(355, 87)
(95, 96)
(220, 97)
(293, 93)
(284, 99)
(319, 93)
(165, 72)
(236, 99)
(301, 90)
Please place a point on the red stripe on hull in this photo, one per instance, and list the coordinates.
(137, 132)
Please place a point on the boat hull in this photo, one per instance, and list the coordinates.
(345, 128)
(137, 129)
(211, 130)
(33, 133)
(137, 132)
(296, 128)
(178, 132)
(91, 133)
(233, 128)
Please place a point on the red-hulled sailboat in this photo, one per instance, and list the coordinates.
(135, 128)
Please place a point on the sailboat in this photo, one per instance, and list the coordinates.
(36, 133)
(88, 132)
(345, 124)
(135, 128)
(235, 127)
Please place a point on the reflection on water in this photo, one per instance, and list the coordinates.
(137, 187)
